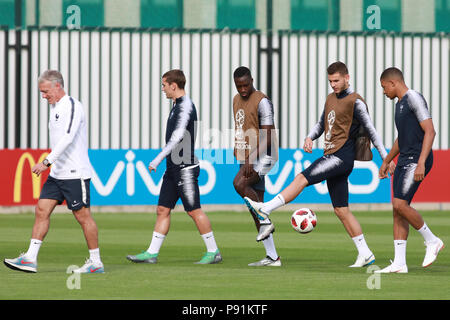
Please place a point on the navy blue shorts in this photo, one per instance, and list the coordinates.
(181, 183)
(404, 185)
(335, 171)
(74, 191)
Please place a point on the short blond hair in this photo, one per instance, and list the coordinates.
(53, 76)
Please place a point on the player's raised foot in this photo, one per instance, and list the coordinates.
(144, 257)
(210, 258)
(90, 267)
(265, 229)
(362, 261)
(266, 262)
(255, 207)
(432, 250)
(393, 268)
(21, 263)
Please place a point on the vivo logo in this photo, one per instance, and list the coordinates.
(130, 168)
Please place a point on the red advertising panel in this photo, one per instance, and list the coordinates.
(18, 185)
(436, 185)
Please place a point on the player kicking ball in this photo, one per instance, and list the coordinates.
(414, 146)
(344, 117)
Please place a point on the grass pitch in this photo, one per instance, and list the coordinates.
(315, 265)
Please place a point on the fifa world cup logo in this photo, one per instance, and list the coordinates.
(239, 134)
(331, 118)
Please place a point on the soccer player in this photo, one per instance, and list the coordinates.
(344, 114)
(181, 177)
(414, 146)
(257, 150)
(69, 177)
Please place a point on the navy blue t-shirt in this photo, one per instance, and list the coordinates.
(180, 136)
(409, 112)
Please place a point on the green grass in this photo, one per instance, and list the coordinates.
(314, 265)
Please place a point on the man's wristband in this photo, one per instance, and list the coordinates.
(46, 163)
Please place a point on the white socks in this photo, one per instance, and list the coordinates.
(33, 249)
(94, 255)
(273, 204)
(157, 241)
(35, 245)
(400, 245)
(400, 252)
(426, 233)
(210, 242)
(269, 245)
(361, 245)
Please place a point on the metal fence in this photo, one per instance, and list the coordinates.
(116, 74)
(423, 58)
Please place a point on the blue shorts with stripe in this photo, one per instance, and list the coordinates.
(181, 183)
(404, 185)
(335, 170)
(76, 192)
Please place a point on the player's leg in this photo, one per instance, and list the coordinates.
(272, 259)
(319, 170)
(160, 231)
(401, 231)
(94, 263)
(403, 195)
(50, 196)
(168, 197)
(189, 191)
(28, 262)
(263, 210)
(42, 212)
(432, 243)
(77, 195)
(247, 188)
(338, 190)
(88, 225)
(244, 187)
(353, 228)
(203, 225)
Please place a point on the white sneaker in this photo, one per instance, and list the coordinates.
(432, 251)
(362, 261)
(393, 269)
(90, 267)
(255, 207)
(266, 262)
(21, 263)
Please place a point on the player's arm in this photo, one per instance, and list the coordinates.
(266, 127)
(315, 133)
(182, 121)
(428, 139)
(388, 161)
(72, 124)
(265, 143)
(419, 107)
(362, 115)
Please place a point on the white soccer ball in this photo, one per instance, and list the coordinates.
(304, 220)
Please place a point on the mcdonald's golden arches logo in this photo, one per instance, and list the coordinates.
(35, 180)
